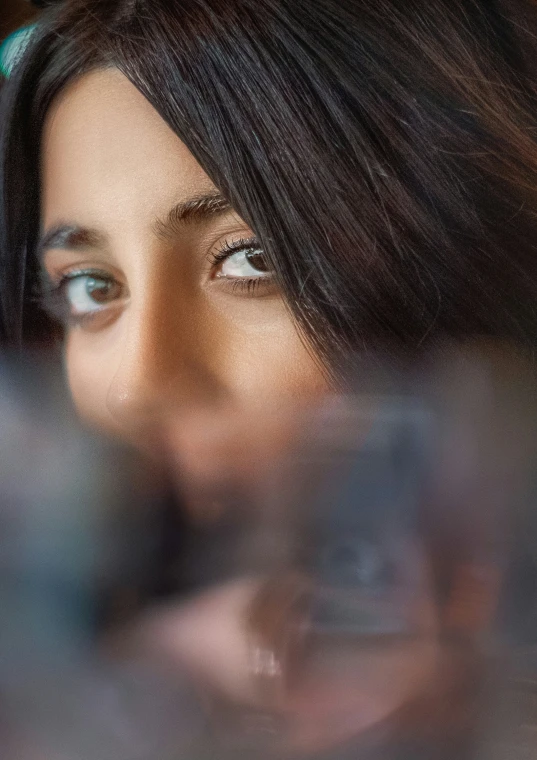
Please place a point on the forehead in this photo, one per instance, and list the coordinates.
(106, 150)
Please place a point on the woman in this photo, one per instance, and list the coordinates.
(227, 200)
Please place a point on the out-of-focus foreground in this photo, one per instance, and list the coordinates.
(379, 573)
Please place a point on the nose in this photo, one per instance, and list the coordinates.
(164, 366)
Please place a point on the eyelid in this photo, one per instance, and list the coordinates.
(73, 273)
(56, 265)
(261, 285)
(228, 248)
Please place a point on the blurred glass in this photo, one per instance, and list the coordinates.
(382, 546)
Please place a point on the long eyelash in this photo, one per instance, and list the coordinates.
(247, 285)
(228, 249)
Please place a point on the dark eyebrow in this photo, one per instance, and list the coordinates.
(70, 237)
(194, 210)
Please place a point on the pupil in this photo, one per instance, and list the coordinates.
(99, 290)
(256, 259)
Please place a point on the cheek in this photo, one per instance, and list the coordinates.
(89, 375)
(262, 357)
(252, 353)
(276, 369)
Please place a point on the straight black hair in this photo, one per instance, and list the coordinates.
(384, 153)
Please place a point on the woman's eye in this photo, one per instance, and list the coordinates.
(87, 293)
(245, 263)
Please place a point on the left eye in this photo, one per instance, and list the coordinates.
(245, 263)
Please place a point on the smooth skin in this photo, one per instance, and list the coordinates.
(176, 329)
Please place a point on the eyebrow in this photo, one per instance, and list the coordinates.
(197, 209)
(194, 210)
(70, 237)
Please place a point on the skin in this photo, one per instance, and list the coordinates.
(181, 334)
(178, 346)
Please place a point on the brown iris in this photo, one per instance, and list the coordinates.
(101, 290)
(257, 260)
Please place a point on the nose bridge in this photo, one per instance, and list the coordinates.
(163, 365)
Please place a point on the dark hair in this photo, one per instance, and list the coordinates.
(385, 152)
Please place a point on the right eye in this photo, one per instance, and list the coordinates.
(89, 292)
(86, 293)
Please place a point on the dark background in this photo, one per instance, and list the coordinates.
(14, 13)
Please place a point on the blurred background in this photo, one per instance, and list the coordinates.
(15, 13)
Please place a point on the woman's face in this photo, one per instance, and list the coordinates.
(171, 303)
(174, 314)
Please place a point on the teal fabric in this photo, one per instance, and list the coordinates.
(13, 47)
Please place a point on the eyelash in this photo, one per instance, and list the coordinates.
(246, 285)
(52, 295)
